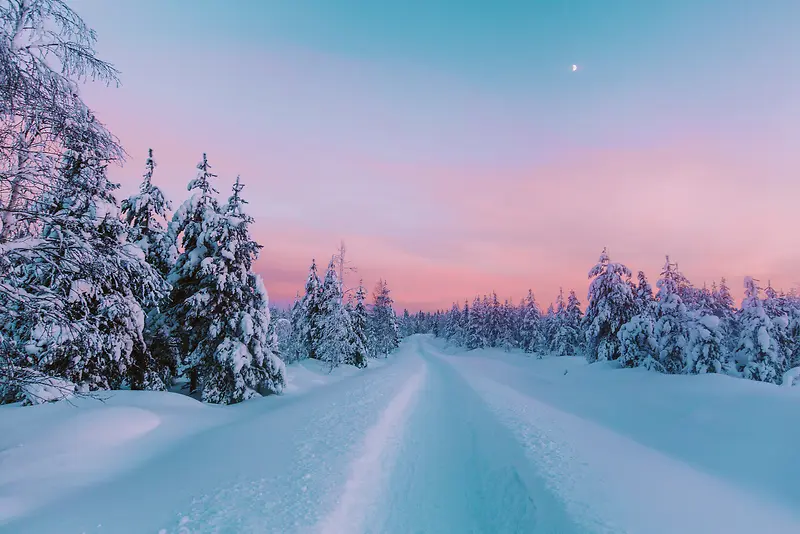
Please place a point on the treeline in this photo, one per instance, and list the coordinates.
(97, 294)
(681, 329)
(335, 325)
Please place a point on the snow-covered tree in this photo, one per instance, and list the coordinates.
(611, 305)
(384, 334)
(219, 307)
(706, 349)
(72, 290)
(531, 335)
(758, 353)
(72, 296)
(638, 343)
(672, 321)
(335, 328)
(567, 340)
(146, 215)
(359, 327)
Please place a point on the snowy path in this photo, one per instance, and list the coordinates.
(460, 470)
(430, 443)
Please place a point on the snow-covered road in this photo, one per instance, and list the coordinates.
(430, 443)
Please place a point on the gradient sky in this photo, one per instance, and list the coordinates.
(452, 148)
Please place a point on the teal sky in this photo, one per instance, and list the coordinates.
(452, 147)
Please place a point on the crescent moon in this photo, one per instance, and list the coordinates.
(574, 68)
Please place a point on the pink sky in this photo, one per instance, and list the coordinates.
(448, 188)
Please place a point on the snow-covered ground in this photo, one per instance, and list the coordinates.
(431, 440)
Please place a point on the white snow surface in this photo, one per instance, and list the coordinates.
(432, 439)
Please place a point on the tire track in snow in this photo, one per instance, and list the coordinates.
(612, 484)
(368, 471)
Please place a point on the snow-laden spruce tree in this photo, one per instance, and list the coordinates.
(72, 295)
(568, 338)
(384, 335)
(672, 321)
(146, 215)
(219, 307)
(359, 327)
(707, 352)
(296, 350)
(531, 335)
(758, 352)
(308, 325)
(645, 301)
(638, 343)
(189, 317)
(611, 304)
(337, 335)
(509, 329)
(240, 360)
(475, 335)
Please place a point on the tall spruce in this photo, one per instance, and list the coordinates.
(611, 304)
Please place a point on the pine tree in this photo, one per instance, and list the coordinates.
(80, 317)
(758, 354)
(644, 294)
(297, 345)
(638, 343)
(706, 349)
(567, 337)
(531, 328)
(244, 363)
(383, 330)
(146, 215)
(359, 325)
(310, 327)
(672, 321)
(195, 221)
(336, 331)
(611, 305)
(221, 305)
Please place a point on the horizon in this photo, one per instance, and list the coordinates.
(456, 152)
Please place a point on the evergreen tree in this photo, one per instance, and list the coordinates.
(146, 215)
(82, 288)
(611, 305)
(707, 353)
(531, 336)
(383, 330)
(336, 330)
(638, 343)
(359, 326)
(221, 304)
(567, 337)
(758, 353)
(310, 328)
(189, 322)
(672, 321)
(296, 350)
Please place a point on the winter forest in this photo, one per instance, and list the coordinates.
(98, 294)
(681, 329)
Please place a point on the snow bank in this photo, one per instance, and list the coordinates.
(742, 431)
(50, 450)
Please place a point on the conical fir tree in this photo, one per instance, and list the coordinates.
(240, 362)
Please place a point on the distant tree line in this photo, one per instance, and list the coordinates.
(681, 329)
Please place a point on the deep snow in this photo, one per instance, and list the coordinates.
(430, 440)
